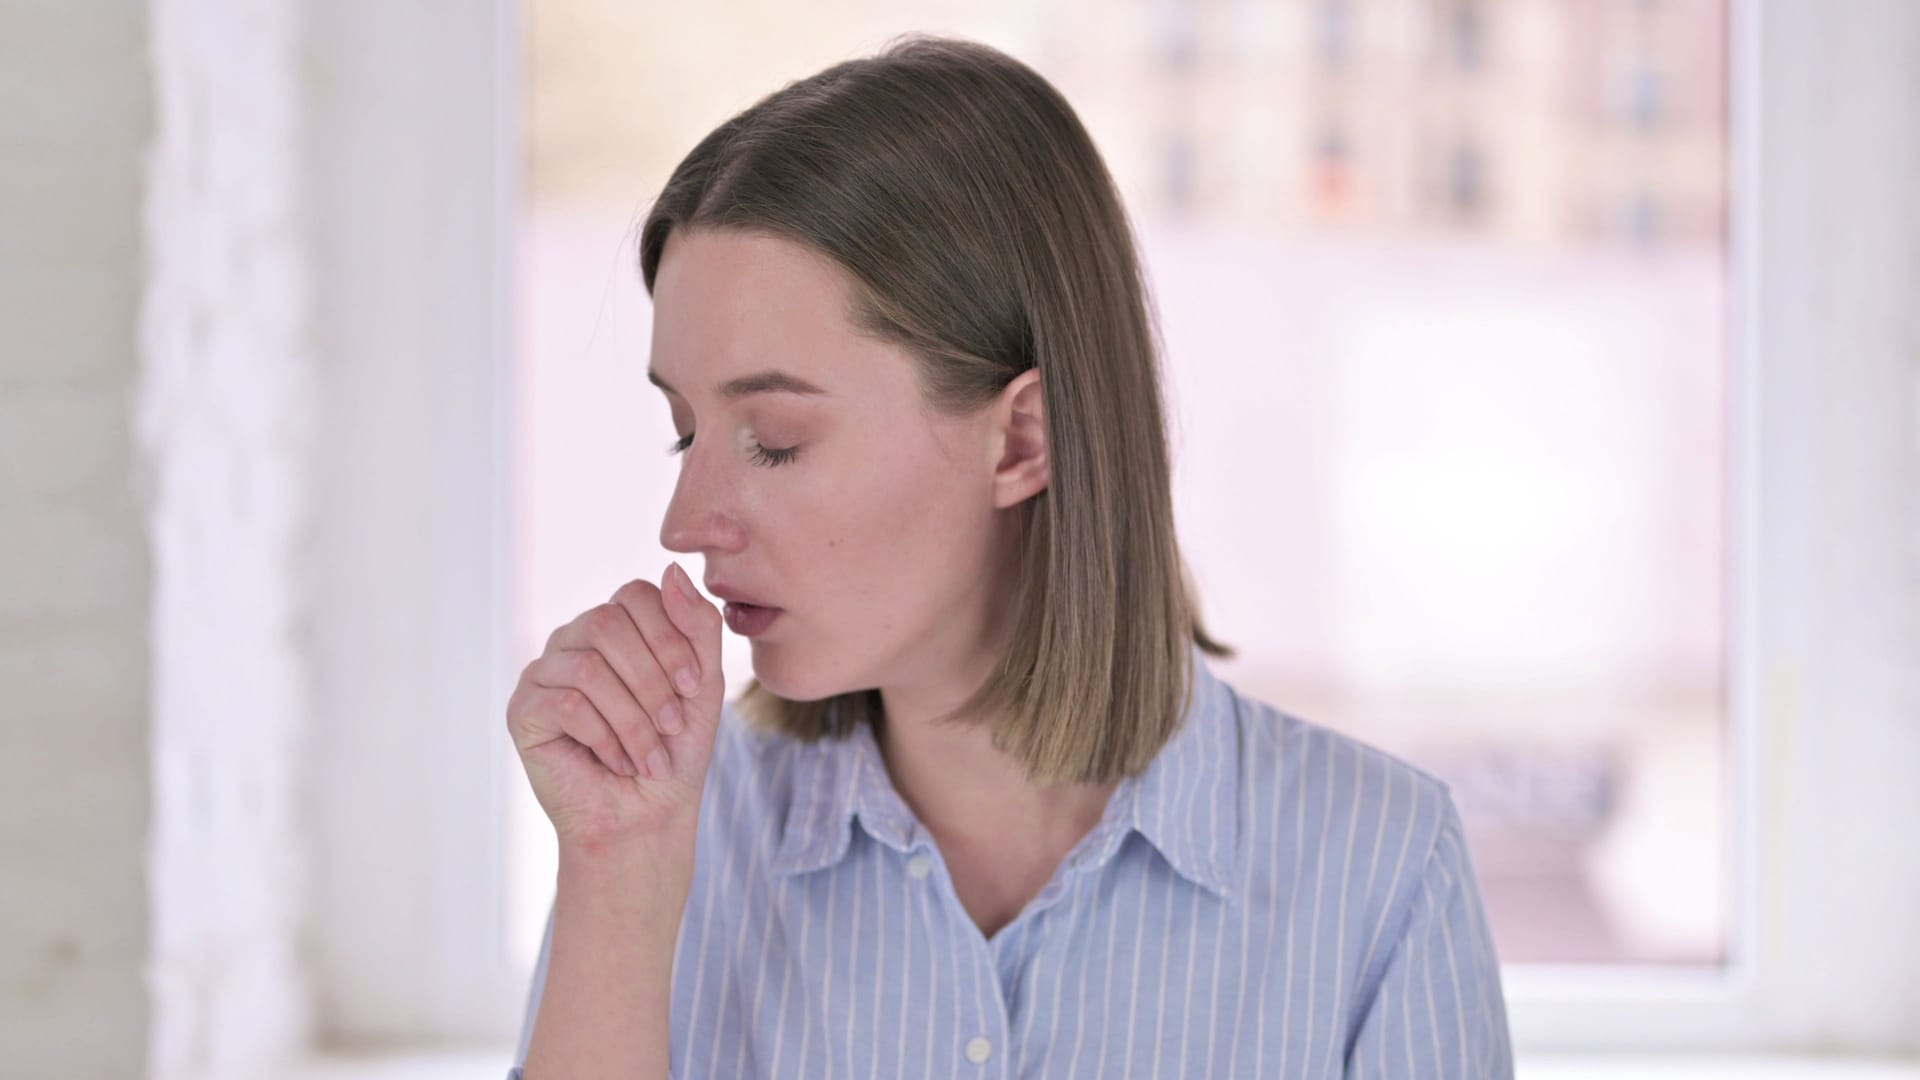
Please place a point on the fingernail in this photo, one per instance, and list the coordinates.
(686, 680)
(656, 764)
(686, 585)
(626, 765)
(670, 719)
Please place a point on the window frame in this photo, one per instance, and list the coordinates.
(1809, 968)
(413, 153)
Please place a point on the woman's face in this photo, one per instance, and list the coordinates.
(872, 524)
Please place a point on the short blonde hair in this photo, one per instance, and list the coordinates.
(983, 234)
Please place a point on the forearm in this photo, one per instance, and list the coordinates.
(608, 999)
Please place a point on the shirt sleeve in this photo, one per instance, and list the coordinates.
(538, 986)
(1438, 1010)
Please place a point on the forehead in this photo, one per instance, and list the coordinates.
(726, 302)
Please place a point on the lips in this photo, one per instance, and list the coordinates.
(748, 620)
(727, 592)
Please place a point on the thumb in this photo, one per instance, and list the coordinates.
(700, 621)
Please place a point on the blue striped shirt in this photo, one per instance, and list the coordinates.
(1269, 899)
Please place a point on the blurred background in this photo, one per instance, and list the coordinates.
(1444, 288)
(1545, 387)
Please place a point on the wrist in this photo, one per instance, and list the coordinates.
(634, 865)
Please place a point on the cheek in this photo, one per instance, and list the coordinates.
(906, 518)
(922, 495)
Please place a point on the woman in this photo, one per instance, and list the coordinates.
(984, 809)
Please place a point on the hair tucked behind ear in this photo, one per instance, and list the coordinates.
(984, 234)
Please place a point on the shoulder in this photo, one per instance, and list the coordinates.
(1341, 809)
(1318, 773)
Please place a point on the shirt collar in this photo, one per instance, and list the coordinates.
(1186, 803)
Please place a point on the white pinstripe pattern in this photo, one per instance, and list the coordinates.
(1329, 881)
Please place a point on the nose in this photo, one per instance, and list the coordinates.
(699, 517)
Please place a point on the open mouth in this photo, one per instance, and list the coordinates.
(749, 620)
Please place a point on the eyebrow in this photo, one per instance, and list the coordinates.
(760, 382)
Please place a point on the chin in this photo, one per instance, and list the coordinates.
(782, 677)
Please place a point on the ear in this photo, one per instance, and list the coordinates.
(1017, 441)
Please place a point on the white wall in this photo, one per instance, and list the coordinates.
(154, 432)
(76, 581)
(227, 433)
(1836, 326)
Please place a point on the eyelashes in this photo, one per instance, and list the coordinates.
(761, 455)
(764, 456)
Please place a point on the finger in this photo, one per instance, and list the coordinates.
(589, 671)
(673, 655)
(526, 722)
(699, 621)
(581, 722)
(609, 628)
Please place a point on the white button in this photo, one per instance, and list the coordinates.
(979, 1049)
(920, 866)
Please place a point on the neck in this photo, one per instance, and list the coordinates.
(959, 785)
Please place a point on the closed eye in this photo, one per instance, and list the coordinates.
(761, 455)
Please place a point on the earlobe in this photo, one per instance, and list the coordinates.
(1022, 482)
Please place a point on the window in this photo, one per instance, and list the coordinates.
(1738, 736)
(1496, 453)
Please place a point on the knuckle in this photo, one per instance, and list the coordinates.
(582, 665)
(635, 591)
(604, 619)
